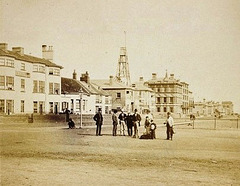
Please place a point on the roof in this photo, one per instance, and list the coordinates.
(72, 86)
(139, 86)
(167, 80)
(105, 84)
(28, 58)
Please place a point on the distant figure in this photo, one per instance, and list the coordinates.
(99, 121)
(122, 119)
(115, 122)
(67, 112)
(129, 122)
(169, 124)
(136, 123)
(71, 124)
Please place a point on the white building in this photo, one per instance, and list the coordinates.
(83, 96)
(144, 97)
(28, 84)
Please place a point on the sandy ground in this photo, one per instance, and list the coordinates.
(55, 155)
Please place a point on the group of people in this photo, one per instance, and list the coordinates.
(132, 122)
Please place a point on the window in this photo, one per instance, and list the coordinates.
(9, 106)
(2, 62)
(56, 72)
(10, 83)
(41, 68)
(171, 99)
(165, 109)
(22, 85)
(118, 95)
(171, 109)
(35, 86)
(51, 71)
(2, 82)
(2, 106)
(165, 100)
(50, 88)
(41, 107)
(78, 104)
(158, 109)
(51, 107)
(23, 66)
(22, 105)
(10, 63)
(56, 88)
(35, 68)
(127, 92)
(35, 109)
(41, 86)
(158, 99)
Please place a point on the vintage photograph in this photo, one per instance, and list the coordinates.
(119, 92)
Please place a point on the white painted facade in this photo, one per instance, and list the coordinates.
(25, 84)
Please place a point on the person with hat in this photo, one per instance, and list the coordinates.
(169, 124)
(136, 123)
(122, 118)
(99, 121)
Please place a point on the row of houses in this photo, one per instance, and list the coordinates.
(30, 84)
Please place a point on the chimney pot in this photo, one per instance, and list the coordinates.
(154, 76)
(18, 50)
(3, 46)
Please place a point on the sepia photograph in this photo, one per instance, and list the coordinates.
(119, 92)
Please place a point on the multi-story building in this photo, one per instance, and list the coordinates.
(144, 97)
(171, 95)
(28, 84)
(83, 96)
(122, 95)
(212, 108)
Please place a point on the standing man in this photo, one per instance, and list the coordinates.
(129, 123)
(136, 123)
(99, 121)
(122, 118)
(115, 122)
(169, 123)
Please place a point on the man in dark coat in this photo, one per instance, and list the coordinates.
(129, 122)
(136, 123)
(99, 121)
(122, 119)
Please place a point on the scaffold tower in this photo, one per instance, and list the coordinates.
(123, 74)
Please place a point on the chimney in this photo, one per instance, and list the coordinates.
(47, 53)
(141, 79)
(154, 76)
(171, 76)
(85, 77)
(110, 80)
(3, 46)
(18, 50)
(74, 75)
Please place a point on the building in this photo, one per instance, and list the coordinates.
(82, 96)
(171, 94)
(144, 97)
(212, 108)
(122, 95)
(29, 84)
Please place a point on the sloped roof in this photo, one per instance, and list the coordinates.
(140, 86)
(105, 84)
(72, 86)
(28, 58)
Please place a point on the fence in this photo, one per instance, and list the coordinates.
(213, 123)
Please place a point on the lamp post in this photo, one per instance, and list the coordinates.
(80, 106)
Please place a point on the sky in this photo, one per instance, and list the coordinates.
(196, 40)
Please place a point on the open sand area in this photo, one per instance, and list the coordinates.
(37, 154)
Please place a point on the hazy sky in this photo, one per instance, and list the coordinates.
(197, 40)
